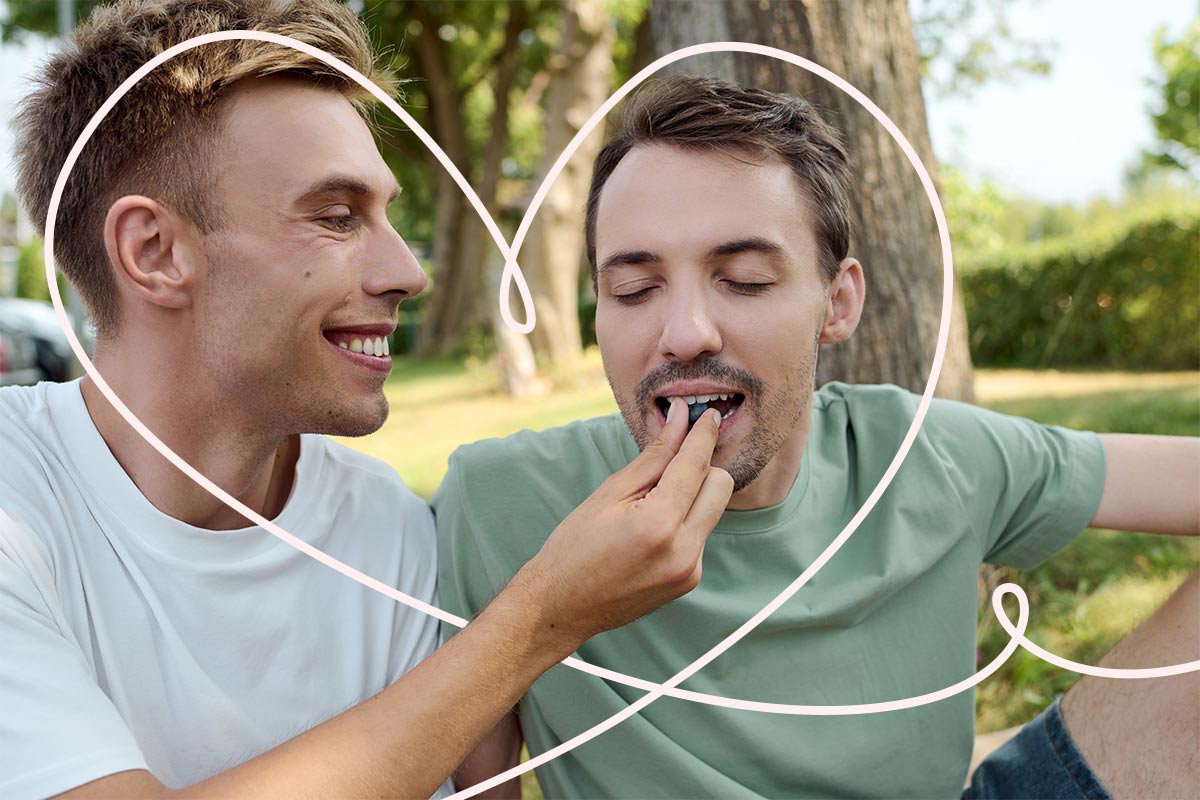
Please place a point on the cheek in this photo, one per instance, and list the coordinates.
(623, 343)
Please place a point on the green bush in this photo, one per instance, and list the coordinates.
(1127, 297)
(31, 271)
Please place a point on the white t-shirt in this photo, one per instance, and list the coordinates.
(130, 640)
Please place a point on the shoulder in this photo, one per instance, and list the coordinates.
(30, 447)
(24, 414)
(349, 470)
(888, 411)
(366, 497)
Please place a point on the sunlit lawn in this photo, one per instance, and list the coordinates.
(1083, 600)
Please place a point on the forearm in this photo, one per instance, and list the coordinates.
(1152, 484)
(500, 750)
(405, 741)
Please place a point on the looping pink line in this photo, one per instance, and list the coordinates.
(513, 272)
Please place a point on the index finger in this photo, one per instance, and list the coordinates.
(647, 469)
(684, 475)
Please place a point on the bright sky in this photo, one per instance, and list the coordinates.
(1068, 136)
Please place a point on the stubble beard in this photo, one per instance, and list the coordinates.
(774, 412)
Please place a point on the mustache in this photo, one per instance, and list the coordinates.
(695, 370)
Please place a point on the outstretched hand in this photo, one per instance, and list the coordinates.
(637, 541)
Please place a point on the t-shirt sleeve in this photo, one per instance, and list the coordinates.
(58, 730)
(464, 585)
(1028, 488)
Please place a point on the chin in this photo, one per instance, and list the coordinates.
(345, 421)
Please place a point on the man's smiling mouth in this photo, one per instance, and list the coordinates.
(368, 345)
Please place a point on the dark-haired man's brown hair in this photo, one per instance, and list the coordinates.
(162, 137)
(707, 114)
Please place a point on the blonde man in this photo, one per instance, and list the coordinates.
(227, 229)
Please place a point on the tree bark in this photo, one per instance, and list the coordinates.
(580, 80)
(893, 233)
(460, 295)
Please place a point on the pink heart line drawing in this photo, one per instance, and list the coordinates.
(512, 272)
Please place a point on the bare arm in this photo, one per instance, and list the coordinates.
(1152, 484)
(633, 545)
(500, 750)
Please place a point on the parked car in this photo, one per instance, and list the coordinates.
(18, 356)
(39, 322)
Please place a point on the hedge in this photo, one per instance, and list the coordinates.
(1125, 298)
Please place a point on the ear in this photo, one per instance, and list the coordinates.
(140, 235)
(845, 302)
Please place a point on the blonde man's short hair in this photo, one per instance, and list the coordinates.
(161, 138)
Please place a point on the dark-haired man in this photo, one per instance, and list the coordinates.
(227, 228)
(717, 230)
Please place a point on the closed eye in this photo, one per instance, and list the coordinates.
(633, 298)
(748, 288)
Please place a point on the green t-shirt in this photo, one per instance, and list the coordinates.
(892, 615)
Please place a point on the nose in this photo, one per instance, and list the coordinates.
(394, 269)
(690, 330)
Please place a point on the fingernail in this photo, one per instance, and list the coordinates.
(671, 409)
(716, 415)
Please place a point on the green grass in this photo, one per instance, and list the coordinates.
(1082, 601)
(438, 405)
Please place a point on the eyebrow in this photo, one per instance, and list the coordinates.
(623, 258)
(749, 244)
(342, 184)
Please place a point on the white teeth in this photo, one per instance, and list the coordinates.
(371, 345)
(704, 398)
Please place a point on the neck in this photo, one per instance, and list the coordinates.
(772, 485)
(254, 466)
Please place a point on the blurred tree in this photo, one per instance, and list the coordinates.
(964, 43)
(37, 16)
(1177, 117)
(870, 44)
(463, 70)
(580, 74)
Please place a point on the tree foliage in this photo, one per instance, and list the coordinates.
(1177, 115)
(37, 17)
(1113, 297)
(965, 43)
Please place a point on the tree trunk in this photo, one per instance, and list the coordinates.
(869, 43)
(460, 295)
(580, 81)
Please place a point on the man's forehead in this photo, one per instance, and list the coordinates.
(298, 140)
(663, 198)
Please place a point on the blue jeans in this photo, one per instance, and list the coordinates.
(1040, 762)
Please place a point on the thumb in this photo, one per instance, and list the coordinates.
(648, 467)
